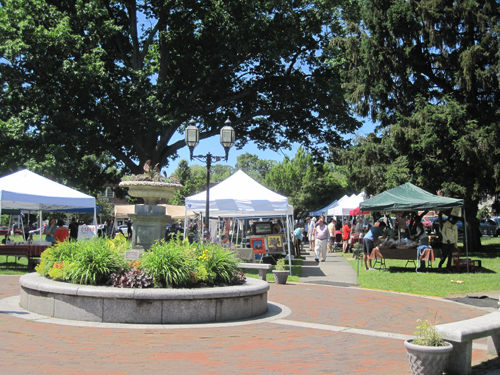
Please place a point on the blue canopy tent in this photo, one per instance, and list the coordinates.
(28, 191)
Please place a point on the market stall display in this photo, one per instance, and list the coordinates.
(408, 197)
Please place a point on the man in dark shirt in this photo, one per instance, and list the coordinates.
(73, 230)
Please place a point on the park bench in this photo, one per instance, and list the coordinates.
(262, 267)
(462, 333)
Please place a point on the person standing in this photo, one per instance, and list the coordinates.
(331, 233)
(449, 233)
(73, 230)
(297, 235)
(311, 234)
(129, 229)
(346, 234)
(373, 234)
(61, 234)
(321, 240)
(50, 230)
(111, 229)
(306, 229)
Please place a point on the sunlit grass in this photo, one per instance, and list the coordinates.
(435, 282)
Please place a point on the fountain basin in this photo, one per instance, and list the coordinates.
(142, 306)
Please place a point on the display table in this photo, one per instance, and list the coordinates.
(380, 254)
(20, 249)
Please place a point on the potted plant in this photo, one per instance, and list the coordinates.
(280, 274)
(428, 352)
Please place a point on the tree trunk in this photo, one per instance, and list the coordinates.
(473, 233)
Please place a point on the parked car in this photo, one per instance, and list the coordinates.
(435, 225)
(427, 224)
(490, 227)
(4, 230)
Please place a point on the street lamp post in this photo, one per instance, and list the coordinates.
(192, 138)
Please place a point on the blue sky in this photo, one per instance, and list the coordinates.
(213, 146)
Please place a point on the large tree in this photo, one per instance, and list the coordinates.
(308, 185)
(428, 72)
(253, 166)
(123, 77)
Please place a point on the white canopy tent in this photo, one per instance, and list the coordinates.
(324, 210)
(331, 211)
(241, 196)
(26, 190)
(344, 206)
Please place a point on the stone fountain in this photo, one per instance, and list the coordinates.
(149, 219)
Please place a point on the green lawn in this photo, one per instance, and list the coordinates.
(10, 267)
(434, 282)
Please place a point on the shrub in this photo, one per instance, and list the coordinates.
(83, 262)
(132, 278)
(168, 263)
(216, 265)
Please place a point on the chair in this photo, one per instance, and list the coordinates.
(458, 264)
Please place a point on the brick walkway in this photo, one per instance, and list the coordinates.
(308, 341)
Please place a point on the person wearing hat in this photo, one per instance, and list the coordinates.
(321, 241)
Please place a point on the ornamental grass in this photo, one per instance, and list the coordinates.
(172, 264)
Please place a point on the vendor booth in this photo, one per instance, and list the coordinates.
(324, 210)
(408, 197)
(343, 207)
(28, 191)
(240, 196)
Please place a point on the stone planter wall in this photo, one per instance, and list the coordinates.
(142, 306)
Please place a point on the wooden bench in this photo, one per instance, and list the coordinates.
(462, 333)
(262, 267)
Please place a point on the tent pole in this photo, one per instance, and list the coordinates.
(95, 219)
(465, 240)
(185, 221)
(288, 237)
(40, 224)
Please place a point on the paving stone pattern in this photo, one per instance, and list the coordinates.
(303, 343)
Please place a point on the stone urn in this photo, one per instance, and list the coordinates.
(149, 219)
(427, 360)
(280, 277)
(150, 191)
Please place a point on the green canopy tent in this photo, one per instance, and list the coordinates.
(408, 197)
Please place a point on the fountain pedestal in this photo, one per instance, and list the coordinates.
(149, 226)
(149, 219)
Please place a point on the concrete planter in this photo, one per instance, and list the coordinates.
(142, 306)
(281, 276)
(427, 360)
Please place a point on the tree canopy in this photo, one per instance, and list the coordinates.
(428, 72)
(307, 184)
(122, 78)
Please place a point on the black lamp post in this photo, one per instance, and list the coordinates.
(192, 138)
